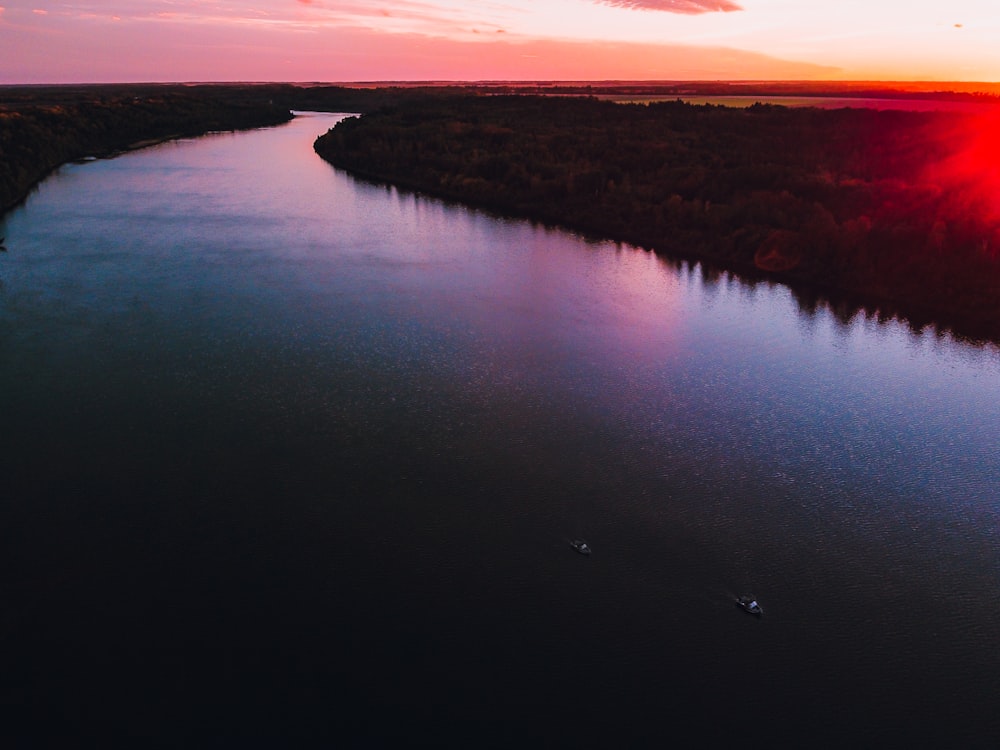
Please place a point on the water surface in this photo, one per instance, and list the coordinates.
(290, 455)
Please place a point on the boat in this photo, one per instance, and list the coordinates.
(580, 546)
(750, 605)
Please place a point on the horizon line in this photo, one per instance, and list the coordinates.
(521, 82)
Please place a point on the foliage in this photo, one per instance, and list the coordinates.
(37, 135)
(838, 199)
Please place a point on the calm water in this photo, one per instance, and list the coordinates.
(287, 456)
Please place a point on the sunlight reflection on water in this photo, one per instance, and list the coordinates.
(285, 395)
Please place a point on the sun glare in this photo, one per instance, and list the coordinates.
(973, 171)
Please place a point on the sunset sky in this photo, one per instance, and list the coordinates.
(45, 41)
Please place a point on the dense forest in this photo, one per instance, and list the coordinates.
(36, 137)
(42, 127)
(896, 211)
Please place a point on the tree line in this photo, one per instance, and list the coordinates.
(861, 202)
(39, 131)
(42, 127)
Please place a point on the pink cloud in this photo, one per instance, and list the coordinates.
(177, 51)
(689, 7)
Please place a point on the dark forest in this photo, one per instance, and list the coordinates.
(891, 210)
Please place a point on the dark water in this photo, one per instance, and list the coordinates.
(293, 460)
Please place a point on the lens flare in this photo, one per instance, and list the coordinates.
(971, 174)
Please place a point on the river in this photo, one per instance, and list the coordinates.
(292, 458)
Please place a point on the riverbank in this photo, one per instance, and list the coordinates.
(43, 127)
(886, 211)
(40, 132)
(254, 409)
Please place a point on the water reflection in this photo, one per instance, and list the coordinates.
(255, 409)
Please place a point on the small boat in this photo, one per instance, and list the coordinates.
(749, 605)
(580, 546)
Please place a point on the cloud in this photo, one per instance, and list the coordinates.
(182, 51)
(687, 7)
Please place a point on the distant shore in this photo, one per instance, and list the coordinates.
(44, 126)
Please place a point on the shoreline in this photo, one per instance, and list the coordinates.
(584, 165)
(844, 304)
(40, 137)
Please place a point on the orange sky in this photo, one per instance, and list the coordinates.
(372, 40)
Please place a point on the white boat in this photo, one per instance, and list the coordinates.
(580, 546)
(750, 605)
